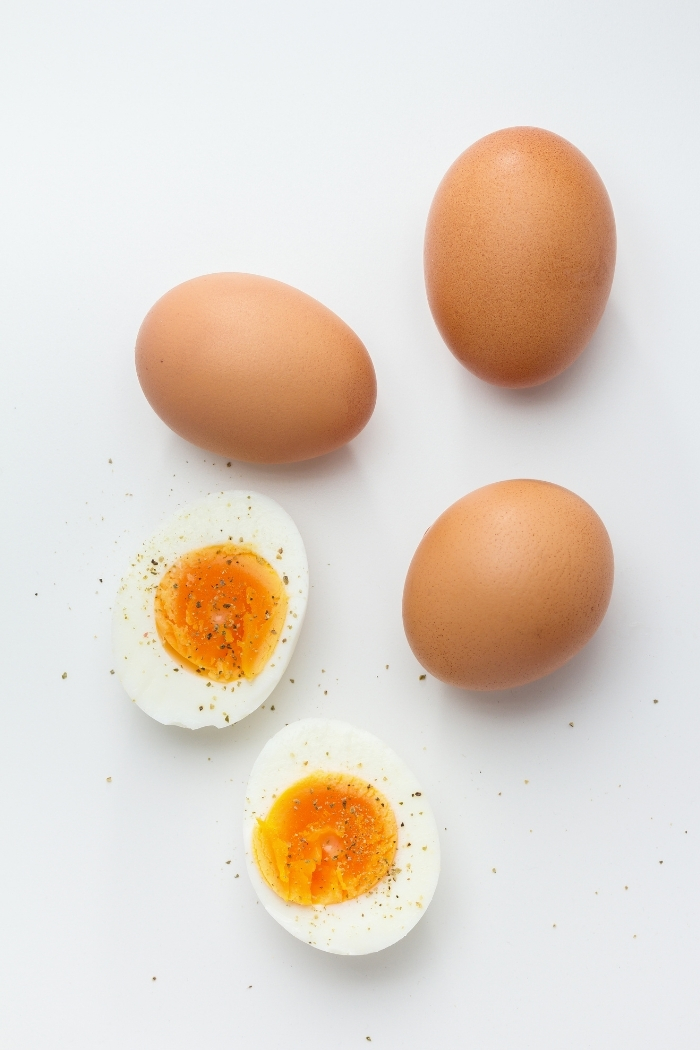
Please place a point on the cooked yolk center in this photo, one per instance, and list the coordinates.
(222, 609)
(326, 839)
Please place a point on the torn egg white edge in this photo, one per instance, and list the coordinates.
(387, 913)
(161, 685)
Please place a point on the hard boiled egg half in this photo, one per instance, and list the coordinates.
(208, 615)
(341, 844)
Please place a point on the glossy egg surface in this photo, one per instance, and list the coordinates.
(317, 747)
(254, 369)
(507, 585)
(519, 255)
(238, 563)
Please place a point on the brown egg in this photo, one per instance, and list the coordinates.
(519, 256)
(507, 585)
(253, 369)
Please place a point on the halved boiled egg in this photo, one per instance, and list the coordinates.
(208, 615)
(341, 845)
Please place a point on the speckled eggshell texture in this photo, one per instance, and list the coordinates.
(251, 368)
(507, 585)
(519, 256)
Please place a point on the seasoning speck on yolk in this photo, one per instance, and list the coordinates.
(222, 609)
(326, 839)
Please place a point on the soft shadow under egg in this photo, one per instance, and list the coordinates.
(590, 370)
(579, 676)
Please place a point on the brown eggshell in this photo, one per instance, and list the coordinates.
(519, 256)
(253, 369)
(507, 585)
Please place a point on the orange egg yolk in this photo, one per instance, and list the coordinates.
(222, 609)
(326, 839)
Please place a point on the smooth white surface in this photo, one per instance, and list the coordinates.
(145, 143)
(165, 687)
(374, 920)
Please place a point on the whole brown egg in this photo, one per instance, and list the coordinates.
(507, 585)
(254, 369)
(519, 256)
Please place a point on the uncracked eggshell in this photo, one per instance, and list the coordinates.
(519, 256)
(507, 585)
(254, 369)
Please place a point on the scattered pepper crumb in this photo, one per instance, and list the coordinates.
(656, 702)
(421, 677)
(153, 978)
(571, 724)
(64, 675)
(109, 781)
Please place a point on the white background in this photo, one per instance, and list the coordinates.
(144, 143)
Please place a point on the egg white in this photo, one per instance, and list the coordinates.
(386, 913)
(166, 687)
